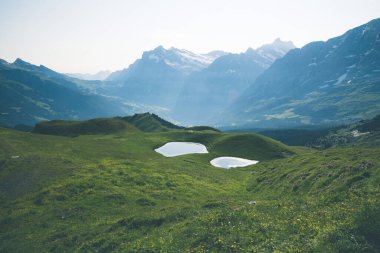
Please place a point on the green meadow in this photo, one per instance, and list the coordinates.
(107, 190)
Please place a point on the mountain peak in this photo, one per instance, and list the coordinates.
(277, 49)
(279, 44)
(21, 62)
(160, 48)
(250, 50)
(3, 61)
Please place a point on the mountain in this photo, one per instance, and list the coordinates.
(149, 81)
(209, 91)
(156, 79)
(101, 75)
(323, 83)
(30, 93)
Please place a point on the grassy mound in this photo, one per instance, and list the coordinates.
(252, 146)
(249, 146)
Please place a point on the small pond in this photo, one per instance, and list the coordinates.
(172, 149)
(228, 162)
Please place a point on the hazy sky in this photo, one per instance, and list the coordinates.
(91, 35)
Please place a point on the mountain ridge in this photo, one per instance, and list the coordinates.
(321, 83)
(31, 93)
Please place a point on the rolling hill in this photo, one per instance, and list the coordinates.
(145, 122)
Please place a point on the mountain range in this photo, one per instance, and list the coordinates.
(172, 80)
(274, 86)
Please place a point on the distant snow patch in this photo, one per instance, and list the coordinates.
(365, 30)
(154, 57)
(341, 79)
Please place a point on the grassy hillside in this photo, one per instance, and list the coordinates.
(113, 193)
(75, 128)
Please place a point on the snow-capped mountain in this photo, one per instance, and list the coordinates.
(157, 77)
(181, 60)
(186, 61)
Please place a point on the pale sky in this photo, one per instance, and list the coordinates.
(86, 36)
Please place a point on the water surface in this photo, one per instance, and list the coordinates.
(172, 149)
(228, 162)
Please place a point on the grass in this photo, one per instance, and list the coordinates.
(113, 193)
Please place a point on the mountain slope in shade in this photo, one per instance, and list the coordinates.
(330, 82)
(206, 93)
(30, 93)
